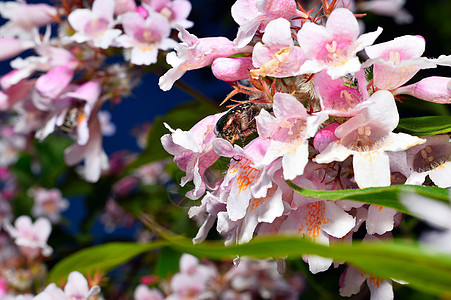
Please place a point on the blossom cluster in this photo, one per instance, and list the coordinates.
(321, 114)
(61, 76)
(249, 280)
(64, 85)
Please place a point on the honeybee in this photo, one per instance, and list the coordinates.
(239, 122)
(72, 118)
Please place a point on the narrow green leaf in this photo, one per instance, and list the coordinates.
(100, 258)
(423, 126)
(167, 263)
(384, 196)
(423, 269)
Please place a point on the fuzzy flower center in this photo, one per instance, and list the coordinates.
(96, 27)
(364, 138)
(431, 157)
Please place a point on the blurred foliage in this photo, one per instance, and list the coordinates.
(425, 270)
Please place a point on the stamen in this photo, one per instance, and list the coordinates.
(428, 149)
(395, 57)
(368, 131)
(361, 130)
(332, 47)
(424, 154)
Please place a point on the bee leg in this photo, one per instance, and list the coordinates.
(241, 139)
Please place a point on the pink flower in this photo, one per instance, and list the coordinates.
(51, 85)
(49, 58)
(23, 18)
(318, 220)
(367, 136)
(288, 132)
(49, 203)
(31, 237)
(107, 127)
(194, 53)
(324, 137)
(11, 144)
(253, 14)
(389, 8)
(142, 292)
(396, 61)
(124, 6)
(176, 11)
(153, 173)
(243, 180)
(76, 288)
(435, 213)
(13, 94)
(434, 89)
(352, 279)
(92, 153)
(260, 210)
(145, 36)
(337, 97)
(10, 47)
(432, 159)
(257, 279)
(334, 47)
(193, 152)
(3, 287)
(193, 279)
(94, 25)
(278, 56)
(232, 69)
(81, 103)
(206, 213)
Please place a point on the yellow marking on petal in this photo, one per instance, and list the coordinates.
(375, 281)
(256, 202)
(273, 65)
(379, 207)
(247, 174)
(146, 48)
(314, 218)
(166, 12)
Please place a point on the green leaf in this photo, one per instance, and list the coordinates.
(424, 270)
(423, 126)
(167, 263)
(384, 196)
(51, 155)
(100, 258)
(183, 117)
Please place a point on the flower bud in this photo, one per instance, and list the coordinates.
(434, 89)
(232, 69)
(10, 47)
(324, 137)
